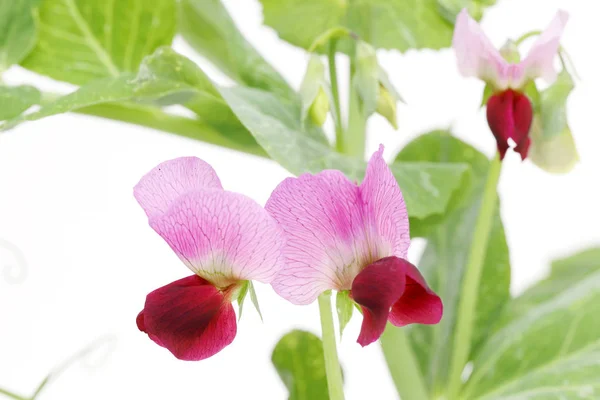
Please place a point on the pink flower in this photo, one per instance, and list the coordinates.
(225, 238)
(346, 237)
(509, 111)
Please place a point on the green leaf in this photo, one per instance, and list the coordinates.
(208, 28)
(82, 40)
(299, 360)
(241, 298)
(427, 187)
(554, 105)
(446, 254)
(572, 378)
(14, 100)
(18, 30)
(450, 8)
(344, 306)
(164, 78)
(561, 325)
(254, 298)
(389, 24)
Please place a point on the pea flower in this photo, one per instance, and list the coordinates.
(509, 110)
(225, 238)
(351, 238)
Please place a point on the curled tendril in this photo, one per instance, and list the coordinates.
(15, 272)
(92, 357)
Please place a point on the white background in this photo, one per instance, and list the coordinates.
(66, 202)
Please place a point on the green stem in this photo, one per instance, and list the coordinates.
(332, 365)
(402, 364)
(337, 109)
(11, 395)
(155, 118)
(470, 284)
(353, 143)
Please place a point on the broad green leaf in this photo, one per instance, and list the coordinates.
(208, 28)
(16, 99)
(446, 254)
(164, 78)
(576, 377)
(344, 306)
(450, 8)
(18, 30)
(254, 298)
(557, 327)
(389, 24)
(299, 360)
(82, 40)
(427, 187)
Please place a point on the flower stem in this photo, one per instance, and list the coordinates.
(526, 36)
(470, 284)
(332, 365)
(402, 364)
(353, 142)
(339, 128)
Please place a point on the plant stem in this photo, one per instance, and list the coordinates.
(402, 364)
(155, 118)
(470, 284)
(332, 365)
(337, 109)
(355, 134)
(11, 395)
(526, 36)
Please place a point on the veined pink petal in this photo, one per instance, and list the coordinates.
(476, 55)
(325, 237)
(222, 236)
(189, 317)
(158, 188)
(540, 60)
(384, 209)
(334, 229)
(376, 288)
(418, 303)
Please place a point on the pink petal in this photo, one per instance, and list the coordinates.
(509, 116)
(161, 186)
(325, 237)
(376, 288)
(418, 303)
(475, 53)
(222, 236)
(189, 317)
(384, 209)
(540, 60)
(334, 229)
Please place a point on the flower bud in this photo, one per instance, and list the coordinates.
(319, 108)
(386, 106)
(314, 92)
(510, 52)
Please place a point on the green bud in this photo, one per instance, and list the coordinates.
(366, 76)
(556, 154)
(319, 108)
(386, 106)
(510, 52)
(314, 92)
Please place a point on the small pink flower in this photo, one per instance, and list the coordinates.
(346, 237)
(509, 111)
(225, 238)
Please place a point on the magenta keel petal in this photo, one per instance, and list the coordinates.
(376, 289)
(418, 303)
(189, 317)
(509, 116)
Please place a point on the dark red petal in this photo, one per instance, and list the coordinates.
(375, 289)
(418, 304)
(509, 116)
(189, 317)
